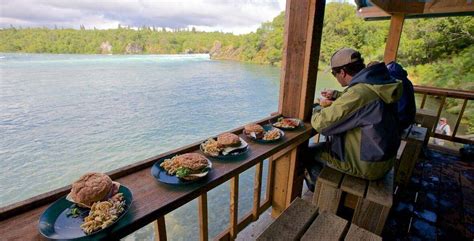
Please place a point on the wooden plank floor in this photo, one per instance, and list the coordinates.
(443, 209)
(439, 201)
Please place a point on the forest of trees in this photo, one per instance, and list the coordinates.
(436, 51)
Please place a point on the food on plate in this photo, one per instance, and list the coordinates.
(92, 187)
(103, 214)
(273, 134)
(228, 140)
(289, 123)
(254, 130)
(258, 132)
(225, 144)
(211, 147)
(97, 192)
(325, 102)
(189, 166)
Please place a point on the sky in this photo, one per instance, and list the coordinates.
(236, 16)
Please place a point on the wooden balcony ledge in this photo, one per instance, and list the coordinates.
(152, 199)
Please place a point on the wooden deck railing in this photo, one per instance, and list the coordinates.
(443, 94)
(153, 200)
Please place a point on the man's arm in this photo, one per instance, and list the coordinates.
(342, 115)
(336, 94)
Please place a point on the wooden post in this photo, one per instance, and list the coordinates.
(257, 188)
(458, 121)
(234, 207)
(303, 30)
(160, 229)
(393, 40)
(280, 185)
(203, 224)
(440, 108)
(423, 101)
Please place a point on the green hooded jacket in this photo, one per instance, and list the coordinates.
(361, 125)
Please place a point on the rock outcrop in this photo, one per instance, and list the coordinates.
(133, 48)
(188, 51)
(227, 52)
(216, 49)
(105, 48)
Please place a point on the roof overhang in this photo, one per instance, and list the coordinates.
(383, 9)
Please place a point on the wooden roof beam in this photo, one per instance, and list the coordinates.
(393, 40)
(372, 12)
(382, 7)
(303, 32)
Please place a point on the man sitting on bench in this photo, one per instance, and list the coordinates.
(361, 124)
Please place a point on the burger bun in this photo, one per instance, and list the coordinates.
(90, 188)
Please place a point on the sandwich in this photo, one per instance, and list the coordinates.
(92, 187)
(254, 130)
(228, 140)
(189, 166)
(230, 143)
(225, 144)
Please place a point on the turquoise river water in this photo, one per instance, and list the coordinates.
(64, 115)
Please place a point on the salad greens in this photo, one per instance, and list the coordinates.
(74, 212)
(182, 172)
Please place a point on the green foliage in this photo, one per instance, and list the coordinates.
(427, 40)
(437, 51)
(42, 40)
(424, 41)
(455, 72)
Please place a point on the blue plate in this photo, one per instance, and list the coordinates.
(267, 127)
(289, 128)
(55, 224)
(235, 154)
(162, 175)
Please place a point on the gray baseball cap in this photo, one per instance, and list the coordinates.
(344, 56)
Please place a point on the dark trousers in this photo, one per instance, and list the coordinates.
(313, 164)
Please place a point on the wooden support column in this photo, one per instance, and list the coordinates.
(393, 40)
(234, 207)
(257, 188)
(160, 229)
(303, 30)
(203, 222)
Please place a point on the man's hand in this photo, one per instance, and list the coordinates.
(327, 93)
(325, 102)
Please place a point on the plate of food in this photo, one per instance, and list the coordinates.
(181, 169)
(94, 204)
(288, 123)
(226, 145)
(263, 134)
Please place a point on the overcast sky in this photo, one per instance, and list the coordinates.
(237, 16)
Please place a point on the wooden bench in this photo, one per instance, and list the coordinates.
(412, 145)
(370, 200)
(301, 221)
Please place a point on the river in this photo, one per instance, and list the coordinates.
(64, 115)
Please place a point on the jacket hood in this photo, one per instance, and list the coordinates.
(378, 79)
(397, 71)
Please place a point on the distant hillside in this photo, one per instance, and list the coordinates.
(423, 41)
(115, 41)
(437, 51)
